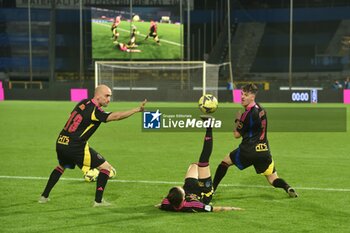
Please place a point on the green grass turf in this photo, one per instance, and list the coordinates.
(306, 160)
(103, 47)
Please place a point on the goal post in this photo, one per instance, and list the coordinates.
(162, 80)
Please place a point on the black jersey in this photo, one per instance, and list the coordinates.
(84, 120)
(253, 129)
(153, 30)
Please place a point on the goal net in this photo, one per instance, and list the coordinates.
(163, 80)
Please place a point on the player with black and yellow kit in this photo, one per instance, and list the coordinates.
(254, 148)
(72, 147)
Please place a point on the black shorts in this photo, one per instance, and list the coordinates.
(191, 186)
(80, 155)
(262, 161)
(195, 191)
(153, 34)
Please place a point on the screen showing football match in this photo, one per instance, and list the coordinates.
(145, 33)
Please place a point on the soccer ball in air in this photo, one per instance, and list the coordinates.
(136, 18)
(208, 103)
(91, 175)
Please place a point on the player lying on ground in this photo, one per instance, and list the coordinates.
(125, 48)
(254, 148)
(196, 193)
(72, 147)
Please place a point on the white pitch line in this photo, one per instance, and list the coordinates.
(171, 182)
(121, 29)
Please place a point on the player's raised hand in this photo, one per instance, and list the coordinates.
(142, 106)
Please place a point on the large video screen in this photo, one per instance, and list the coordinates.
(145, 33)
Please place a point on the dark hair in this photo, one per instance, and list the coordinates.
(175, 197)
(251, 87)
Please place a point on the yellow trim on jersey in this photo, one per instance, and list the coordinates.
(87, 156)
(269, 170)
(208, 194)
(93, 116)
(89, 127)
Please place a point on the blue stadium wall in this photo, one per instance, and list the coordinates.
(67, 46)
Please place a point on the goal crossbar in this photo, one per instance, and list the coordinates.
(157, 75)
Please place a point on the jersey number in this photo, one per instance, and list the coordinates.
(73, 122)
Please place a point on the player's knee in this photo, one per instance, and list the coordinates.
(60, 169)
(271, 178)
(227, 160)
(193, 165)
(105, 166)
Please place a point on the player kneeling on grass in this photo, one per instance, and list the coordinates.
(197, 191)
(72, 147)
(254, 148)
(132, 41)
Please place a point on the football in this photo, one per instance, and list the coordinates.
(91, 175)
(208, 103)
(136, 18)
(112, 173)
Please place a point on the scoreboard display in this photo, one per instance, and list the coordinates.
(304, 96)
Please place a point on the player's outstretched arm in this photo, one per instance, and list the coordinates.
(116, 116)
(225, 208)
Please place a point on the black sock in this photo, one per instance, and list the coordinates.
(54, 177)
(102, 179)
(280, 183)
(220, 173)
(207, 148)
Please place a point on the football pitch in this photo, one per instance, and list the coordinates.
(148, 164)
(169, 34)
